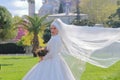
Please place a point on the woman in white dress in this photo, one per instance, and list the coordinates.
(52, 67)
(76, 45)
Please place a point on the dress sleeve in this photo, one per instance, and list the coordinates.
(54, 47)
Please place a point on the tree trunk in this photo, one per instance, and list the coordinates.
(35, 44)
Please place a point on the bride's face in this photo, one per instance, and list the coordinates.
(54, 30)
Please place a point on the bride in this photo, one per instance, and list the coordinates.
(71, 46)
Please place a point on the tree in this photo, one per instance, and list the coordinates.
(5, 24)
(98, 10)
(34, 25)
(114, 19)
(61, 8)
(5, 18)
(84, 22)
(18, 28)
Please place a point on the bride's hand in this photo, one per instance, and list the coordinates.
(41, 58)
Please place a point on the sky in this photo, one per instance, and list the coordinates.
(19, 7)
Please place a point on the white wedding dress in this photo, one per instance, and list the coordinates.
(53, 67)
(78, 45)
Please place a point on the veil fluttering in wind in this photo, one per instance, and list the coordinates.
(96, 45)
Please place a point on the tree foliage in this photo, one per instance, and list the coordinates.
(5, 18)
(5, 24)
(84, 22)
(61, 8)
(98, 10)
(114, 19)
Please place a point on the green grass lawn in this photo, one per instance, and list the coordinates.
(96, 73)
(15, 67)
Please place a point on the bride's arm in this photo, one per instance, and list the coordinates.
(55, 48)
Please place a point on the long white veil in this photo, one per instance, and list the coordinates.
(96, 45)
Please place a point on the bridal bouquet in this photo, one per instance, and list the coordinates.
(42, 52)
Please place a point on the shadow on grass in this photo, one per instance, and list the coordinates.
(5, 65)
